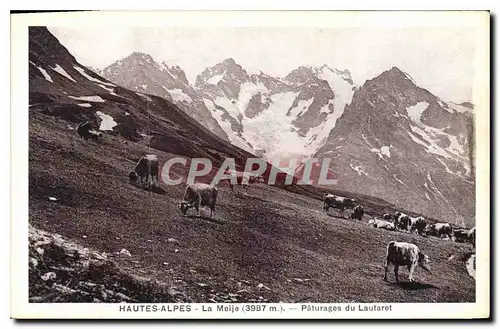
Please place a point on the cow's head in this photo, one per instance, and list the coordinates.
(185, 205)
(132, 176)
(350, 203)
(424, 261)
(428, 229)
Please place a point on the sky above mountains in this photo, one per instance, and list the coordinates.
(439, 59)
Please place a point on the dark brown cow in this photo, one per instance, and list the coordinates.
(337, 202)
(199, 195)
(357, 212)
(146, 167)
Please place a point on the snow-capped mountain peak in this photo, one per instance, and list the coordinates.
(141, 73)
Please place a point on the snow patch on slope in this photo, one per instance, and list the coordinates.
(415, 111)
(317, 136)
(383, 151)
(235, 108)
(111, 90)
(88, 77)
(399, 181)
(62, 72)
(97, 99)
(342, 89)
(226, 126)
(302, 106)
(44, 73)
(432, 146)
(358, 169)
(430, 136)
(247, 91)
(215, 79)
(178, 95)
(107, 122)
(146, 97)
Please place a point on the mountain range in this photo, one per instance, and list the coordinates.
(105, 239)
(387, 137)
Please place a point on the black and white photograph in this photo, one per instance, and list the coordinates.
(236, 166)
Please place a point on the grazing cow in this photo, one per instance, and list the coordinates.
(83, 130)
(199, 195)
(256, 179)
(471, 235)
(239, 178)
(387, 217)
(357, 212)
(401, 221)
(146, 167)
(337, 202)
(461, 235)
(418, 225)
(405, 254)
(378, 223)
(439, 229)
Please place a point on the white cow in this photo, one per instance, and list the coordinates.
(471, 235)
(440, 230)
(405, 254)
(378, 223)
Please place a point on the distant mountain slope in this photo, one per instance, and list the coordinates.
(139, 72)
(400, 142)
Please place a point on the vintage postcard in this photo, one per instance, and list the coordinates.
(251, 165)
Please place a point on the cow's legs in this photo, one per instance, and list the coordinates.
(148, 175)
(212, 210)
(396, 269)
(386, 268)
(197, 207)
(411, 268)
(197, 204)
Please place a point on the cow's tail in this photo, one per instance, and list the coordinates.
(390, 246)
(186, 192)
(214, 201)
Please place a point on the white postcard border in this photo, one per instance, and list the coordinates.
(20, 308)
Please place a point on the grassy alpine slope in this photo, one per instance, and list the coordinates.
(264, 242)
